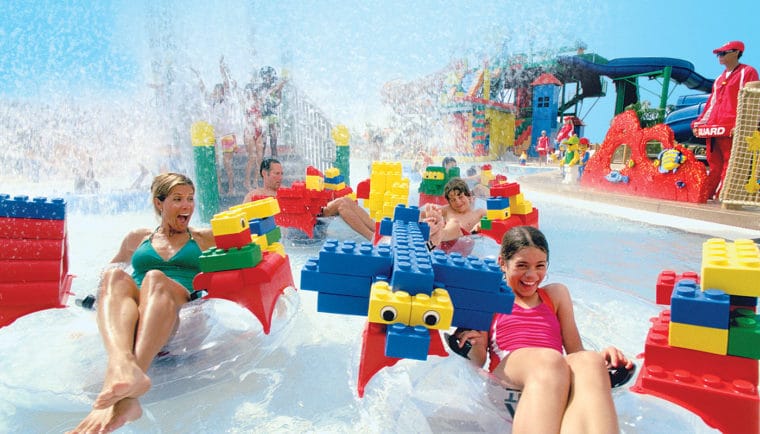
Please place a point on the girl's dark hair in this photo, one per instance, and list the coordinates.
(522, 236)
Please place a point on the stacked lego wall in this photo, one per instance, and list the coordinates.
(33, 256)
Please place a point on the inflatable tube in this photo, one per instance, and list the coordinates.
(475, 245)
(53, 360)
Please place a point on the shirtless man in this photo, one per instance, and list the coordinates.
(271, 175)
(345, 207)
(459, 217)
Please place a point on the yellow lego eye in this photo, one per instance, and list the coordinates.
(388, 313)
(431, 318)
(243, 222)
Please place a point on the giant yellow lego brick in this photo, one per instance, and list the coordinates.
(314, 182)
(706, 339)
(433, 311)
(497, 214)
(377, 183)
(332, 172)
(276, 248)
(261, 241)
(732, 267)
(523, 208)
(229, 223)
(339, 186)
(518, 205)
(258, 209)
(387, 306)
(401, 187)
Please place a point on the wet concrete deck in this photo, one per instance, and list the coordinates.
(747, 217)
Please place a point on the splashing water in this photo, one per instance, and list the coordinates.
(116, 90)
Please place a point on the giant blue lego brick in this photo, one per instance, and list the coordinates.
(689, 305)
(342, 304)
(347, 257)
(386, 227)
(36, 208)
(412, 271)
(408, 236)
(407, 342)
(471, 319)
(406, 214)
(464, 298)
(262, 226)
(497, 203)
(312, 279)
(470, 272)
(334, 179)
(425, 230)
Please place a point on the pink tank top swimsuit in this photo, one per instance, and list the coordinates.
(536, 327)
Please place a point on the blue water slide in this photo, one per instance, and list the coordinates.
(686, 110)
(682, 72)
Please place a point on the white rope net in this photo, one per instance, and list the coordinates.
(741, 186)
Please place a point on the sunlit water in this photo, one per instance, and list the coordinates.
(302, 377)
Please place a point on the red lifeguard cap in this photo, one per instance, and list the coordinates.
(731, 45)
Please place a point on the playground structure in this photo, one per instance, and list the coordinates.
(306, 137)
(622, 163)
(525, 94)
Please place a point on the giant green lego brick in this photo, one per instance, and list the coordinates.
(215, 259)
(744, 334)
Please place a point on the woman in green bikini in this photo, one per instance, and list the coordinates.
(137, 313)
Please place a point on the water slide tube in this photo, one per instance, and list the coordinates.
(682, 72)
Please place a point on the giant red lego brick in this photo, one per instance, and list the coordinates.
(257, 288)
(667, 280)
(29, 228)
(23, 271)
(31, 249)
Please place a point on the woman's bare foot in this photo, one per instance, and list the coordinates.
(110, 419)
(124, 379)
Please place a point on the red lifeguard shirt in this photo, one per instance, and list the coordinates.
(719, 115)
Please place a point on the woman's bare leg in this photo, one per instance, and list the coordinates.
(160, 301)
(117, 320)
(132, 334)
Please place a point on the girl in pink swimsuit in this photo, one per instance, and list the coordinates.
(568, 392)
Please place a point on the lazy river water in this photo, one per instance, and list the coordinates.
(302, 377)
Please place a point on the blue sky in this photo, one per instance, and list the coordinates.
(341, 53)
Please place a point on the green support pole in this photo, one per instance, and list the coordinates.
(664, 96)
(207, 185)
